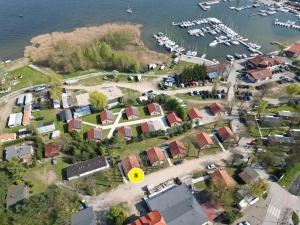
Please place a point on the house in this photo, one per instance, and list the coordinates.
(106, 117)
(155, 156)
(216, 109)
(294, 50)
(215, 71)
(151, 126)
(15, 119)
(16, 194)
(8, 137)
(270, 121)
(114, 102)
(26, 115)
(66, 115)
(75, 125)
(195, 114)
(55, 104)
(51, 150)
(177, 149)
(84, 217)
(44, 128)
(211, 208)
(221, 178)
(151, 218)
(249, 175)
(294, 133)
(94, 134)
(154, 109)
(178, 206)
(129, 162)
(204, 140)
(20, 100)
(132, 113)
(66, 100)
(23, 152)
(259, 75)
(173, 119)
(28, 99)
(125, 131)
(262, 62)
(280, 139)
(225, 134)
(55, 134)
(85, 168)
(82, 111)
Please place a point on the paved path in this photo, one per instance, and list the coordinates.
(131, 192)
(115, 123)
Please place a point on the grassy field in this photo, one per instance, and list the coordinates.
(92, 118)
(143, 113)
(79, 73)
(130, 93)
(290, 175)
(108, 180)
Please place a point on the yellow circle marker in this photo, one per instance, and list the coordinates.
(136, 175)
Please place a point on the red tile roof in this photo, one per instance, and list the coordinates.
(177, 148)
(212, 210)
(260, 74)
(131, 111)
(215, 68)
(216, 108)
(145, 127)
(173, 118)
(221, 178)
(51, 150)
(155, 154)
(195, 113)
(153, 107)
(225, 133)
(204, 139)
(10, 136)
(152, 218)
(125, 131)
(266, 61)
(106, 115)
(295, 48)
(130, 162)
(94, 134)
(74, 124)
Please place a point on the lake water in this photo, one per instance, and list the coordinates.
(44, 16)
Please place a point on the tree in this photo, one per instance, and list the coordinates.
(222, 195)
(262, 106)
(117, 215)
(98, 100)
(56, 84)
(292, 90)
(258, 188)
(15, 170)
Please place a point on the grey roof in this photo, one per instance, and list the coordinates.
(178, 206)
(45, 127)
(17, 151)
(135, 111)
(270, 120)
(66, 115)
(66, 100)
(15, 119)
(286, 114)
(249, 175)
(82, 111)
(97, 134)
(28, 99)
(16, 194)
(20, 100)
(128, 131)
(86, 166)
(84, 217)
(281, 139)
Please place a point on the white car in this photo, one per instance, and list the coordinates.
(211, 166)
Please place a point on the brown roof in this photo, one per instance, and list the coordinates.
(216, 108)
(9, 136)
(153, 107)
(260, 74)
(222, 178)
(295, 48)
(212, 209)
(225, 133)
(195, 113)
(173, 118)
(215, 68)
(155, 154)
(204, 139)
(176, 148)
(152, 218)
(94, 134)
(74, 124)
(266, 61)
(51, 150)
(130, 162)
(106, 115)
(26, 117)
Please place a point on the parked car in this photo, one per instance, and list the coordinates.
(211, 166)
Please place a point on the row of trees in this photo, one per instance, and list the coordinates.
(196, 72)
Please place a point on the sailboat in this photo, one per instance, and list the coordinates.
(129, 10)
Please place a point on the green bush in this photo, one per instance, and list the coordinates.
(295, 218)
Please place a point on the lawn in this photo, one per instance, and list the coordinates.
(92, 118)
(108, 180)
(130, 93)
(143, 113)
(92, 81)
(290, 175)
(200, 186)
(80, 73)
(282, 108)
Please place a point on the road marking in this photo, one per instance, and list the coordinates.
(272, 210)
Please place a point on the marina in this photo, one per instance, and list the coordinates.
(288, 24)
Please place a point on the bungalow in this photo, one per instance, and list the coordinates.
(85, 168)
(84, 217)
(173, 119)
(28, 99)
(20, 100)
(66, 115)
(225, 134)
(23, 152)
(195, 114)
(94, 134)
(249, 175)
(129, 162)
(106, 117)
(8, 137)
(26, 115)
(126, 131)
(294, 50)
(151, 126)
(51, 150)
(16, 194)
(294, 133)
(204, 140)
(66, 100)
(221, 178)
(216, 109)
(152, 218)
(280, 139)
(75, 125)
(154, 109)
(215, 70)
(131, 113)
(44, 128)
(15, 119)
(113, 102)
(155, 156)
(82, 111)
(259, 75)
(177, 149)
(262, 62)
